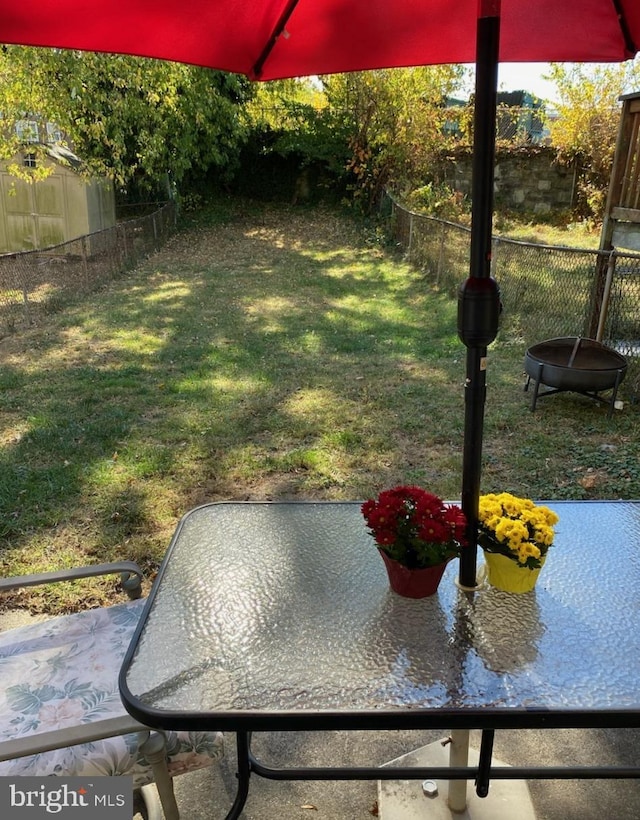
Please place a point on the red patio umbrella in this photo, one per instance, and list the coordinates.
(270, 39)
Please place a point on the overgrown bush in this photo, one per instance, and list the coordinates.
(440, 200)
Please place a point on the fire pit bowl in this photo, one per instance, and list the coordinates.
(572, 363)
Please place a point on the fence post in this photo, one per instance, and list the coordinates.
(606, 295)
(395, 232)
(25, 301)
(410, 235)
(85, 265)
(125, 252)
(440, 263)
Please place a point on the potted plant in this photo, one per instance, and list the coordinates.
(515, 535)
(417, 534)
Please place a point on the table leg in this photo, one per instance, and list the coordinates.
(484, 763)
(458, 756)
(243, 742)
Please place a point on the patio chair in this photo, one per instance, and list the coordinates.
(60, 708)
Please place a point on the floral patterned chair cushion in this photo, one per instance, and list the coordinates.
(64, 672)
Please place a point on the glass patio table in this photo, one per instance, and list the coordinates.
(273, 616)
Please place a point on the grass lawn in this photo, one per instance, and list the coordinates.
(573, 235)
(267, 352)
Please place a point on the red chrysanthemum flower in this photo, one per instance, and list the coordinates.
(414, 526)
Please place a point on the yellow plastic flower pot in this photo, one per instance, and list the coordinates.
(505, 574)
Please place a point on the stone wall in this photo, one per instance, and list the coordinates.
(530, 181)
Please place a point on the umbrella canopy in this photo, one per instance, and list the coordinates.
(272, 39)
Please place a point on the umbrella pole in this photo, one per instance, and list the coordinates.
(479, 299)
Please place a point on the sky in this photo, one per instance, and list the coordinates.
(526, 77)
(521, 77)
(529, 77)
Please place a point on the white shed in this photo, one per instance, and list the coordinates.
(64, 206)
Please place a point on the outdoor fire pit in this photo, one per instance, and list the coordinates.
(574, 364)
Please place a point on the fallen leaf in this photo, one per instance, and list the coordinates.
(592, 479)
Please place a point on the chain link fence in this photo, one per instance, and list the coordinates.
(33, 283)
(547, 291)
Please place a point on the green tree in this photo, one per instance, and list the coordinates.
(586, 123)
(367, 129)
(276, 104)
(394, 123)
(137, 120)
(291, 119)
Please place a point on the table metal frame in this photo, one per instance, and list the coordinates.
(245, 722)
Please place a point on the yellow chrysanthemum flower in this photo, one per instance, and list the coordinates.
(516, 527)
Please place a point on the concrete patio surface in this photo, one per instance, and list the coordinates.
(208, 794)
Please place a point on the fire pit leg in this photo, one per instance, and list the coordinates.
(612, 403)
(537, 382)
